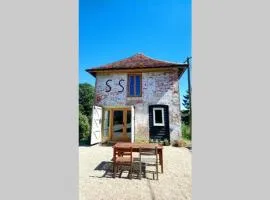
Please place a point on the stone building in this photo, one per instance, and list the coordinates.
(137, 100)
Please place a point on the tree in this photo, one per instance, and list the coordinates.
(187, 98)
(186, 113)
(185, 117)
(186, 102)
(84, 127)
(86, 99)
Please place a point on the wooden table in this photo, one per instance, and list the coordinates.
(136, 147)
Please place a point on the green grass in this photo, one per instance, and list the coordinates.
(185, 129)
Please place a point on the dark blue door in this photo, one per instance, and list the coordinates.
(159, 122)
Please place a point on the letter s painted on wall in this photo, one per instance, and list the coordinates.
(121, 85)
(110, 88)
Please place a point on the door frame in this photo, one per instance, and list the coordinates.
(124, 109)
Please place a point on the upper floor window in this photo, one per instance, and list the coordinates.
(135, 85)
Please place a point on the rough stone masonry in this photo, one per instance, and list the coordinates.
(157, 88)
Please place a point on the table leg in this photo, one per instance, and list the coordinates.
(161, 160)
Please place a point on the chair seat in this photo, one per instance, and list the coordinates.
(150, 160)
(150, 153)
(123, 160)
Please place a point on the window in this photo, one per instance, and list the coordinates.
(158, 114)
(135, 85)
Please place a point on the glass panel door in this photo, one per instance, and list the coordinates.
(121, 125)
(117, 129)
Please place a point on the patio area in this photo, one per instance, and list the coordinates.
(96, 182)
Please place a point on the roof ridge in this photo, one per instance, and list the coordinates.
(111, 63)
(123, 59)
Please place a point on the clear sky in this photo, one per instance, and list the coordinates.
(110, 30)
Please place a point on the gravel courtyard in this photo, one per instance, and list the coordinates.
(96, 182)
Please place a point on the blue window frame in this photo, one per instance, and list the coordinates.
(135, 85)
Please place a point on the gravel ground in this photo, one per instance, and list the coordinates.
(96, 182)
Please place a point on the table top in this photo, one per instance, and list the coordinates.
(136, 145)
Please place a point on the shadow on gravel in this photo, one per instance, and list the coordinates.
(123, 172)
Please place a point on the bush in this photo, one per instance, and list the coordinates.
(179, 143)
(160, 142)
(175, 143)
(84, 127)
(186, 132)
(182, 143)
(166, 142)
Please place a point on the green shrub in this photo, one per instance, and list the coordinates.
(166, 142)
(186, 132)
(182, 143)
(175, 143)
(179, 143)
(161, 142)
(84, 127)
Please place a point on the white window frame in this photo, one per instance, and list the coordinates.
(154, 117)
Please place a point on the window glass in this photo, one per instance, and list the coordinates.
(131, 85)
(117, 123)
(138, 85)
(158, 116)
(135, 85)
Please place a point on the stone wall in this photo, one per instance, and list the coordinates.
(114, 97)
(157, 88)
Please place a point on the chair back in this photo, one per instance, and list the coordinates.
(148, 151)
(123, 151)
(149, 156)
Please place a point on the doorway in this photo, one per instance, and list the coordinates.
(118, 124)
(159, 125)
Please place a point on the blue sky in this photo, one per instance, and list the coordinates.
(112, 30)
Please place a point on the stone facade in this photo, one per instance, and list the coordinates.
(157, 88)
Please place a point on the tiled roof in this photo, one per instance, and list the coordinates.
(137, 61)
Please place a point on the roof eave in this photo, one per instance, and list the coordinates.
(181, 67)
(182, 70)
(93, 73)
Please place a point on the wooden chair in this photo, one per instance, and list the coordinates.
(122, 157)
(150, 158)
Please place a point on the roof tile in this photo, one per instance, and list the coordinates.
(138, 60)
